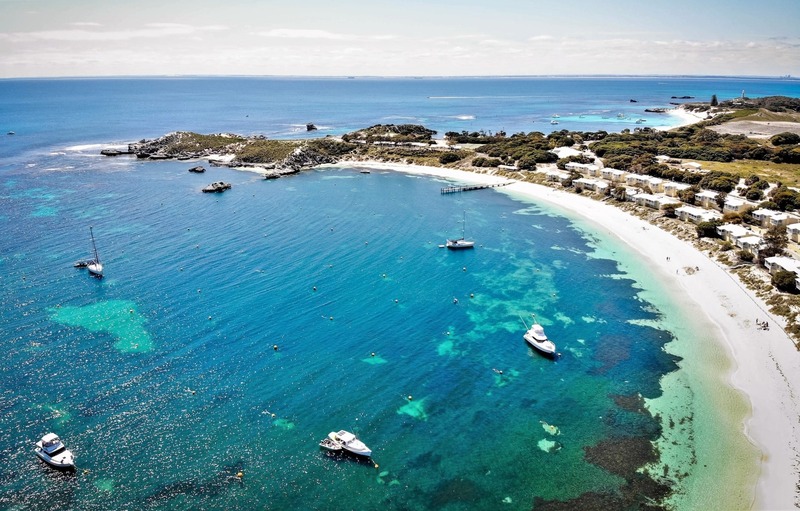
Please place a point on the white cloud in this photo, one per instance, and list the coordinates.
(294, 33)
(154, 30)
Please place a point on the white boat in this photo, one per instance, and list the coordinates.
(330, 444)
(94, 266)
(350, 443)
(554, 121)
(462, 242)
(536, 337)
(52, 451)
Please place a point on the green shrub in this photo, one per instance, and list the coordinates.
(448, 158)
(784, 281)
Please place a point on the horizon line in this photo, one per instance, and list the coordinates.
(392, 77)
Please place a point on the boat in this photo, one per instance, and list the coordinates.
(536, 337)
(330, 444)
(52, 451)
(554, 121)
(349, 443)
(94, 266)
(462, 242)
(641, 121)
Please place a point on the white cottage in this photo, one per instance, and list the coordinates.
(697, 215)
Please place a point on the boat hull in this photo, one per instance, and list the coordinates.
(62, 461)
(459, 244)
(546, 347)
(351, 445)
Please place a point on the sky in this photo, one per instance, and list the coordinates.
(54, 38)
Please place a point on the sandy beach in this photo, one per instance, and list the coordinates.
(764, 364)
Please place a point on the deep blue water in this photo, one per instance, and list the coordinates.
(163, 377)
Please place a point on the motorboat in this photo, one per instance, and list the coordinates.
(553, 121)
(536, 337)
(462, 242)
(350, 443)
(52, 451)
(330, 444)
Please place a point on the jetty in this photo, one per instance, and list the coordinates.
(468, 188)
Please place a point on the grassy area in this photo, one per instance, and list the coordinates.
(266, 151)
(191, 142)
(786, 173)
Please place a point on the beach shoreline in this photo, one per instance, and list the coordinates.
(764, 364)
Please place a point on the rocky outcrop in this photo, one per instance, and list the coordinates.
(302, 157)
(184, 145)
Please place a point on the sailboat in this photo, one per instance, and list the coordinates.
(461, 242)
(94, 266)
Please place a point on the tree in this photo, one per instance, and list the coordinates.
(714, 100)
(669, 210)
(708, 229)
(785, 281)
(775, 241)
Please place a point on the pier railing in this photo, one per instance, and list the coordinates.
(467, 188)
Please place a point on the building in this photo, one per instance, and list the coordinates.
(734, 205)
(793, 231)
(707, 199)
(732, 232)
(594, 185)
(697, 215)
(655, 184)
(774, 264)
(654, 201)
(613, 175)
(557, 176)
(587, 169)
(771, 218)
(671, 188)
(750, 243)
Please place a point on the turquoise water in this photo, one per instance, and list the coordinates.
(164, 378)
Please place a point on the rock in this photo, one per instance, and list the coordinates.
(310, 127)
(110, 152)
(217, 187)
(199, 169)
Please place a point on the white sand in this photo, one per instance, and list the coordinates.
(766, 365)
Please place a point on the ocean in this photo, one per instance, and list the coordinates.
(233, 332)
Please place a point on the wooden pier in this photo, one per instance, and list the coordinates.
(468, 188)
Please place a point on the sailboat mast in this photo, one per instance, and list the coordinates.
(91, 233)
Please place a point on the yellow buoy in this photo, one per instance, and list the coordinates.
(240, 475)
(410, 397)
(275, 347)
(331, 318)
(372, 354)
(376, 465)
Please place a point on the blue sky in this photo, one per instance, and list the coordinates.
(408, 38)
